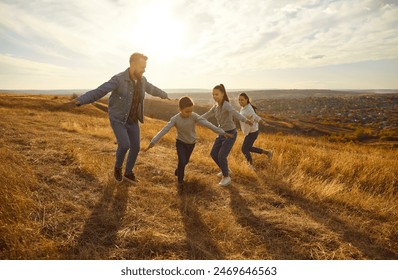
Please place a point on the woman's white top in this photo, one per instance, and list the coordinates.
(248, 113)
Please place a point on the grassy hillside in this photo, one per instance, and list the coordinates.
(58, 199)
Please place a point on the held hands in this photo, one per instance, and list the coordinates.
(264, 123)
(228, 135)
(249, 122)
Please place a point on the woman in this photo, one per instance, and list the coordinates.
(224, 113)
(251, 132)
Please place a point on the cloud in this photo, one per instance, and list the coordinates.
(260, 35)
(64, 30)
(21, 73)
(215, 38)
(17, 66)
(317, 56)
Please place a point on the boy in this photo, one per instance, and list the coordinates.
(185, 122)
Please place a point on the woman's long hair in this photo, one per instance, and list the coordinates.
(221, 88)
(244, 95)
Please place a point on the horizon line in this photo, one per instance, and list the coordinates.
(209, 89)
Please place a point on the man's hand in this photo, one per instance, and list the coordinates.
(73, 103)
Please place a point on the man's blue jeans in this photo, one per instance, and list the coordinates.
(220, 150)
(128, 139)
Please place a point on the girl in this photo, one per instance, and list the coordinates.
(251, 132)
(185, 122)
(224, 113)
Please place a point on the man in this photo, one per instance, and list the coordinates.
(125, 109)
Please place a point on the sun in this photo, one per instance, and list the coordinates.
(158, 34)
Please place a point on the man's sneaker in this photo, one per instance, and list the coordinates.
(219, 174)
(130, 177)
(269, 154)
(118, 174)
(225, 181)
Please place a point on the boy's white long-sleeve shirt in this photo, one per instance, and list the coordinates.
(249, 113)
(186, 131)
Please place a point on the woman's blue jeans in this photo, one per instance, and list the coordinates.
(128, 139)
(221, 148)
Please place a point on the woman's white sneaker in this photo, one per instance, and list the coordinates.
(225, 181)
(219, 174)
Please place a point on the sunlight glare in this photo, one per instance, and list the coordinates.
(159, 34)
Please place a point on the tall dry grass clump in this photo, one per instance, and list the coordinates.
(323, 170)
(21, 216)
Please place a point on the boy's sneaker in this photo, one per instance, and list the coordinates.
(269, 154)
(219, 174)
(225, 181)
(130, 177)
(118, 174)
(180, 187)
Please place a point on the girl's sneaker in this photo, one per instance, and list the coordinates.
(219, 174)
(225, 181)
(251, 166)
(269, 154)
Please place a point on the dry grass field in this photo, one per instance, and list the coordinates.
(315, 200)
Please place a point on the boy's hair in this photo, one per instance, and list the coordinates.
(185, 102)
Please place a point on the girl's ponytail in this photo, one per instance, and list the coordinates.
(221, 88)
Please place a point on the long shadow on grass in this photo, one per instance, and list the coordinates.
(200, 242)
(370, 247)
(279, 242)
(100, 230)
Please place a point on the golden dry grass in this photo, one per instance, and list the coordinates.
(58, 200)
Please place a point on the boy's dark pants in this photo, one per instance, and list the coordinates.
(184, 152)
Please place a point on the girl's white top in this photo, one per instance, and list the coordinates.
(248, 113)
(186, 128)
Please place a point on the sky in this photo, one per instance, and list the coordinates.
(263, 44)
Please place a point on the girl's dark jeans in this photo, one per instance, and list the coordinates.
(247, 146)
